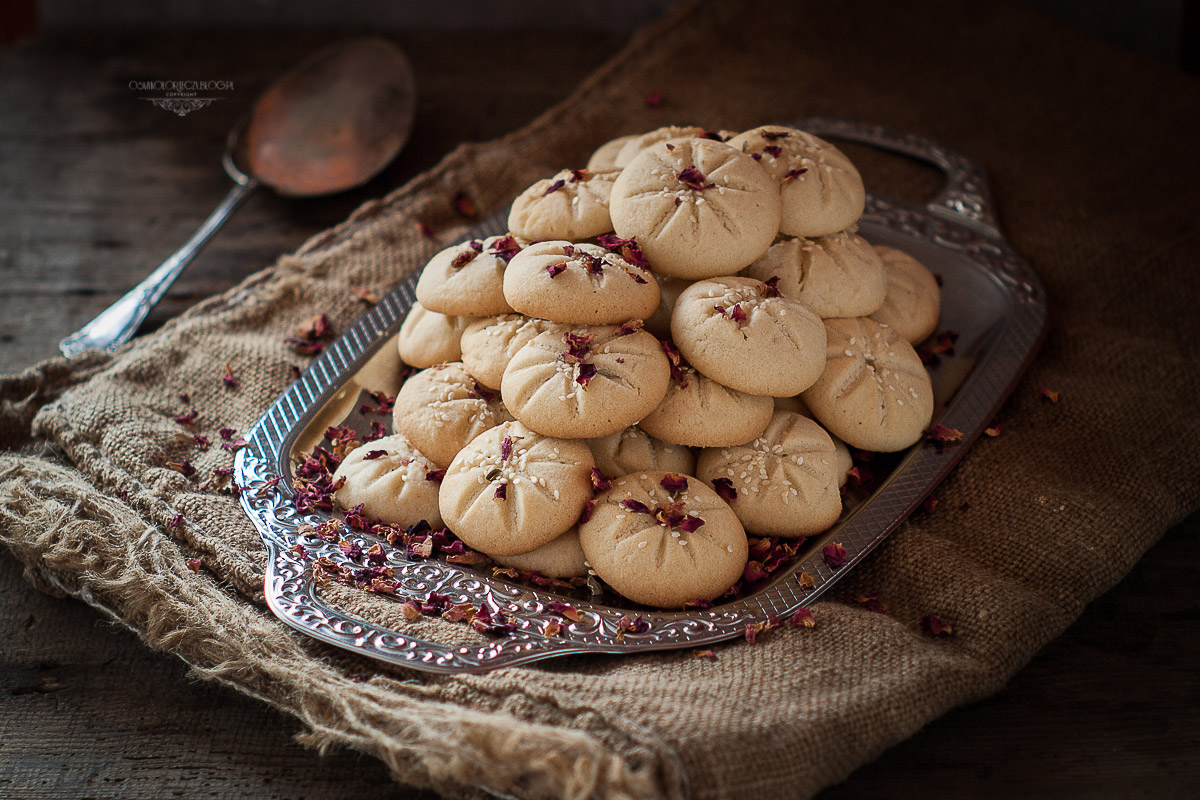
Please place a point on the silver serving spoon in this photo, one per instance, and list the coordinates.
(330, 124)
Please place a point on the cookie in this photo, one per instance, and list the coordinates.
(796, 405)
(634, 450)
(392, 481)
(669, 289)
(913, 300)
(490, 343)
(468, 279)
(698, 208)
(579, 284)
(743, 334)
(839, 275)
(442, 408)
(874, 394)
(821, 190)
(588, 382)
(699, 412)
(562, 557)
(427, 337)
(605, 157)
(664, 539)
(511, 491)
(572, 204)
(636, 144)
(786, 480)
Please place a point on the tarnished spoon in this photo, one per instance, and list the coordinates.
(330, 124)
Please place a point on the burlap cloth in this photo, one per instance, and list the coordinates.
(1096, 179)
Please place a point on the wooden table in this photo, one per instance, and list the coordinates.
(98, 186)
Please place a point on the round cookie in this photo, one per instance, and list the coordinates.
(573, 204)
(634, 450)
(427, 337)
(468, 279)
(636, 144)
(821, 190)
(669, 289)
(663, 546)
(587, 382)
(605, 157)
(579, 284)
(442, 408)
(699, 412)
(697, 207)
(913, 300)
(489, 344)
(839, 275)
(743, 334)
(562, 558)
(511, 491)
(786, 480)
(796, 405)
(392, 481)
(874, 394)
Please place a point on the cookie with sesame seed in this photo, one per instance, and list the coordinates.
(699, 412)
(634, 450)
(392, 481)
(844, 461)
(511, 490)
(821, 190)
(578, 283)
(913, 300)
(468, 279)
(562, 558)
(428, 337)
(874, 393)
(442, 408)
(786, 480)
(839, 275)
(588, 382)
(697, 207)
(663, 539)
(605, 157)
(490, 343)
(571, 204)
(744, 334)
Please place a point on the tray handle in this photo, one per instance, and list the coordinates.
(966, 197)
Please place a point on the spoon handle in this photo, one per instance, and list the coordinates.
(115, 325)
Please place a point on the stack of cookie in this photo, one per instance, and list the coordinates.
(568, 434)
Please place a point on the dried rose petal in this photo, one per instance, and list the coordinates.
(1048, 394)
(300, 550)
(694, 179)
(552, 628)
(501, 492)
(506, 448)
(565, 610)
(994, 431)
(436, 475)
(459, 612)
(554, 187)
(411, 609)
(803, 618)
(674, 483)
(578, 345)
(188, 418)
(771, 136)
(422, 548)
(754, 572)
(834, 554)
(724, 489)
(183, 467)
(175, 520)
(736, 313)
(626, 328)
(771, 287)
(636, 506)
(425, 229)
(654, 99)
(701, 603)
(588, 508)
(226, 434)
(462, 259)
(463, 205)
(773, 150)
(600, 482)
(872, 602)
(467, 558)
(792, 174)
(556, 269)
(201, 441)
(940, 436)
(229, 379)
(194, 564)
(930, 503)
(505, 248)
(934, 626)
(690, 524)
(371, 455)
(709, 654)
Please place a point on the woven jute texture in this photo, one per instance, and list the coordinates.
(1096, 176)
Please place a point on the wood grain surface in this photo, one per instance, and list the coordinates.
(97, 187)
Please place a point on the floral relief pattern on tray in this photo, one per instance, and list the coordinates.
(990, 297)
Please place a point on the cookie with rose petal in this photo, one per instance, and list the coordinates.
(468, 279)
(786, 481)
(562, 557)
(571, 204)
(634, 450)
(663, 539)
(821, 190)
(743, 334)
(637, 144)
(511, 490)
(913, 300)
(588, 382)
(874, 393)
(490, 343)
(581, 284)
(427, 337)
(392, 481)
(697, 207)
(605, 157)
(839, 275)
(442, 408)
(699, 412)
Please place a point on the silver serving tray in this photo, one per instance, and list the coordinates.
(991, 297)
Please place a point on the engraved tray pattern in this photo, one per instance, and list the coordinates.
(957, 228)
